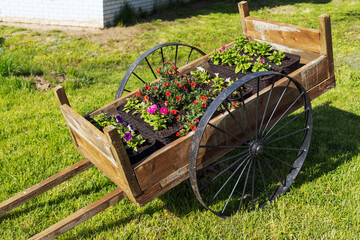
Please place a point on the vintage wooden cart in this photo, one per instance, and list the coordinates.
(237, 142)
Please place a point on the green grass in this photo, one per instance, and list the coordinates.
(35, 143)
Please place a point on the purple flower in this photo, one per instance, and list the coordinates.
(119, 119)
(127, 136)
(130, 127)
(164, 110)
(151, 109)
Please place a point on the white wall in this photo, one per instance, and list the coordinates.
(87, 13)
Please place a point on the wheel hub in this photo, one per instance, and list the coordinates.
(256, 148)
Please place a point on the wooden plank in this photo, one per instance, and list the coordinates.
(44, 186)
(61, 95)
(93, 144)
(81, 215)
(283, 33)
(244, 12)
(121, 156)
(326, 42)
(321, 88)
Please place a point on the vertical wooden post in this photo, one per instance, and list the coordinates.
(61, 95)
(326, 41)
(120, 155)
(244, 12)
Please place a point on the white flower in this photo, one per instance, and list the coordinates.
(227, 80)
(201, 69)
(217, 74)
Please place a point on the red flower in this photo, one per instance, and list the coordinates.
(166, 103)
(173, 67)
(195, 102)
(193, 127)
(166, 84)
(178, 99)
(183, 130)
(168, 93)
(178, 116)
(178, 84)
(197, 120)
(204, 104)
(178, 134)
(158, 70)
(234, 105)
(146, 98)
(173, 112)
(203, 98)
(177, 72)
(134, 95)
(138, 94)
(193, 84)
(184, 75)
(184, 87)
(168, 72)
(165, 62)
(156, 87)
(147, 87)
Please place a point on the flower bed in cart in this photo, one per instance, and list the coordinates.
(171, 107)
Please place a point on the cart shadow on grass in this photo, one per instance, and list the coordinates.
(323, 158)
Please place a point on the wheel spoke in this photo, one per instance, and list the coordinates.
(263, 180)
(222, 187)
(243, 193)
(287, 123)
(223, 171)
(288, 135)
(277, 104)
(187, 61)
(227, 133)
(127, 90)
(273, 172)
(237, 182)
(257, 109)
(282, 115)
(253, 186)
(162, 56)
(138, 77)
(222, 146)
(270, 155)
(267, 105)
(285, 149)
(222, 161)
(152, 70)
(176, 52)
(246, 114)
(236, 121)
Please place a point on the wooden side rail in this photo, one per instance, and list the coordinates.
(81, 215)
(44, 186)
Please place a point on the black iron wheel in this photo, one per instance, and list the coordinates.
(246, 153)
(143, 70)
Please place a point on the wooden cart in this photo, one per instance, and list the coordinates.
(169, 166)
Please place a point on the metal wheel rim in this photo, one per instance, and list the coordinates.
(297, 164)
(143, 57)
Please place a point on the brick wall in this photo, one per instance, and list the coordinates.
(87, 13)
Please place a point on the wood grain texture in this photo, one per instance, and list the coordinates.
(80, 216)
(244, 12)
(119, 153)
(282, 33)
(326, 42)
(93, 145)
(61, 95)
(44, 186)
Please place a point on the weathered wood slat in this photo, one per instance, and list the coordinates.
(326, 41)
(282, 33)
(44, 186)
(81, 215)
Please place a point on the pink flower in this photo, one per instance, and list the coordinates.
(223, 47)
(151, 109)
(262, 61)
(164, 110)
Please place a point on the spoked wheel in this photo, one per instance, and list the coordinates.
(143, 70)
(247, 152)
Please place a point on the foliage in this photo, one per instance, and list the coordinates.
(277, 57)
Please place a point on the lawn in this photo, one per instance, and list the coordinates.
(35, 142)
